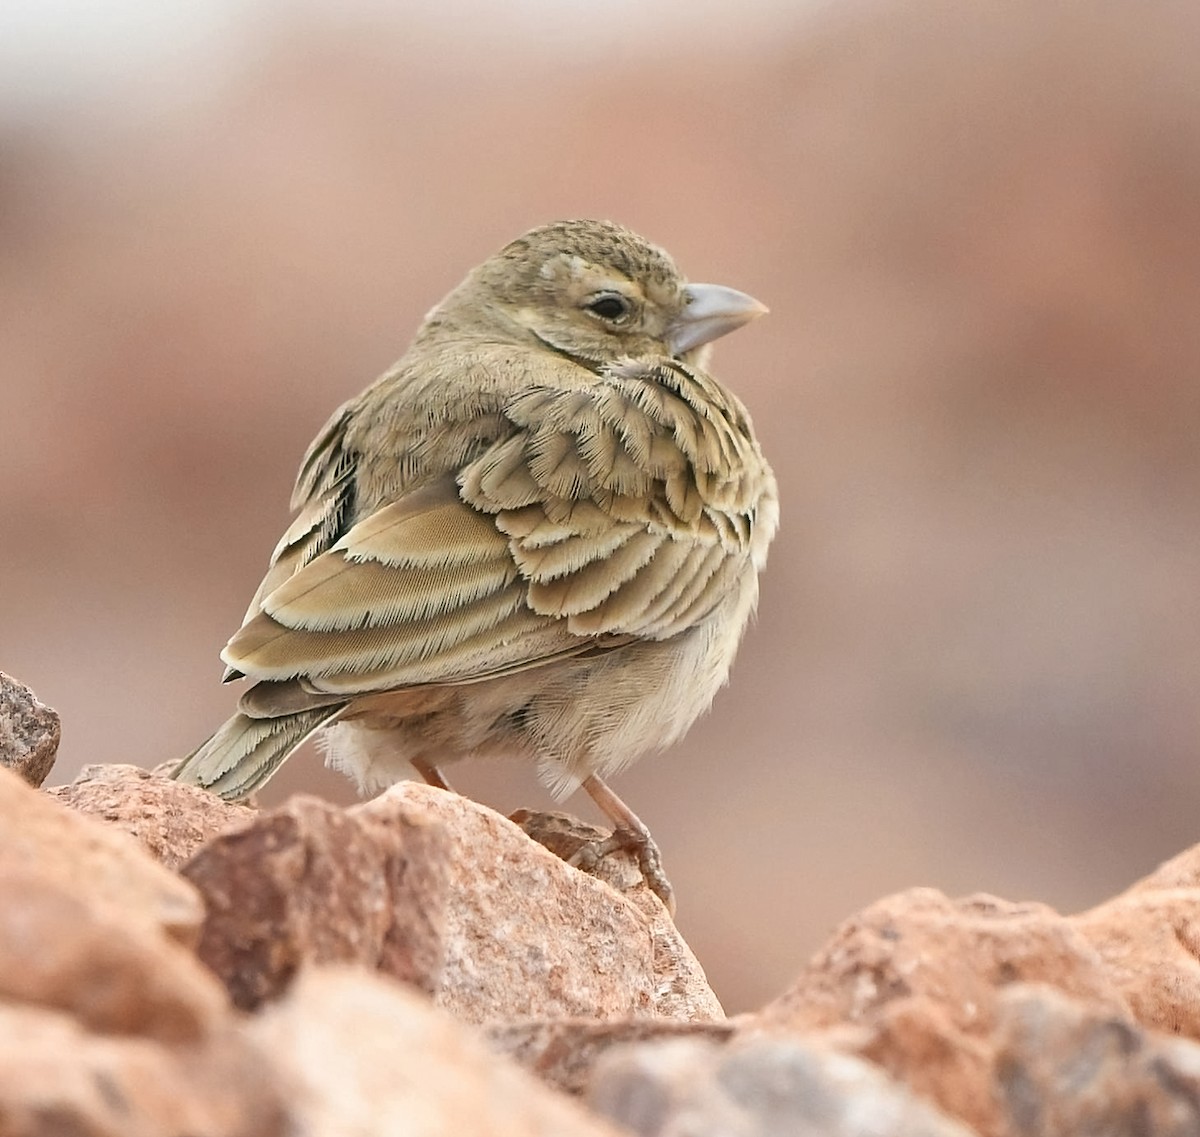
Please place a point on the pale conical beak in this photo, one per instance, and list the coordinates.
(712, 311)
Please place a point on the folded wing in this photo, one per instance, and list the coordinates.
(621, 510)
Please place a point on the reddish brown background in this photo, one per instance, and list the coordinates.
(978, 228)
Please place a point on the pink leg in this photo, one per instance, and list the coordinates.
(432, 775)
(630, 833)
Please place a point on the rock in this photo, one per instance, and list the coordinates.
(29, 732)
(563, 1052)
(912, 982)
(762, 1087)
(312, 883)
(87, 858)
(360, 1055)
(683, 992)
(917, 1042)
(171, 820)
(529, 937)
(58, 1079)
(117, 976)
(955, 953)
(1149, 941)
(441, 892)
(1065, 1068)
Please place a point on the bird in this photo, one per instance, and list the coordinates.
(538, 534)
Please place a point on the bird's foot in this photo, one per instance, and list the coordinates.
(630, 834)
(643, 847)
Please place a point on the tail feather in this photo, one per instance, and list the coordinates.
(243, 755)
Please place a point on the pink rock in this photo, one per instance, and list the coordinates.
(312, 883)
(360, 1055)
(171, 820)
(57, 1079)
(90, 859)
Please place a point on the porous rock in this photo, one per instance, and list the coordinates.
(1066, 1068)
(1149, 941)
(360, 1055)
(760, 1087)
(683, 992)
(58, 1079)
(117, 976)
(564, 1052)
(170, 819)
(86, 857)
(312, 883)
(529, 937)
(29, 732)
(912, 981)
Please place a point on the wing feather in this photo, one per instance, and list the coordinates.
(620, 509)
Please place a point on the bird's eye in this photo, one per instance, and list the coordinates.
(608, 306)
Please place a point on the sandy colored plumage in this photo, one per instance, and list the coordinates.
(537, 534)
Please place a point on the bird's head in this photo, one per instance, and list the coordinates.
(598, 292)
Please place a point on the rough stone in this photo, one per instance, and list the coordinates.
(29, 732)
(955, 953)
(529, 937)
(1150, 945)
(1149, 940)
(762, 1087)
(683, 992)
(170, 819)
(115, 975)
(312, 883)
(85, 856)
(911, 983)
(563, 1052)
(360, 1055)
(59, 1080)
(1065, 1068)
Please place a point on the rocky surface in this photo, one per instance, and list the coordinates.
(309, 883)
(58, 1079)
(529, 937)
(357, 1055)
(29, 732)
(117, 976)
(564, 1052)
(682, 990)
(1149, 941)
(759, 1087)
(171, 820)
(420, 964)
(917, 976)
(1063, 1068)
(92, 861)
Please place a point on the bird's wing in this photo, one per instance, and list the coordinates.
(615, 511)
(632, 505)
(324, 500)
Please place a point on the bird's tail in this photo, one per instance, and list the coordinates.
(243, 755)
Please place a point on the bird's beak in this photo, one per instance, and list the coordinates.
(712, 311)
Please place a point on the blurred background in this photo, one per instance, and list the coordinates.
(978, 228)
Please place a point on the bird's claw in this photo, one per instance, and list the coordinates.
(643, 847)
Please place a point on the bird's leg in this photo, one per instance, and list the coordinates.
(432, 775)
(629, 833)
